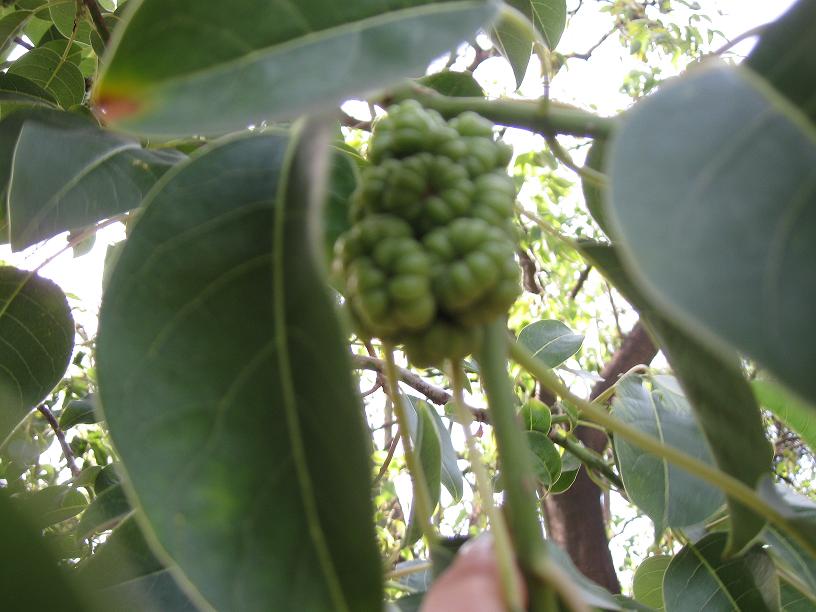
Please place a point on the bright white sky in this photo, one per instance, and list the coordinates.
(590, 84)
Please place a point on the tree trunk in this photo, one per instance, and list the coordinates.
(575, 519)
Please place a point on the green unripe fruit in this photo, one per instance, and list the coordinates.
(430, 256)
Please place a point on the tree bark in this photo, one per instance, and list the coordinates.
(575, 519)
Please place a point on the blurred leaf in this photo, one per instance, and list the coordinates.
(548, 16)
(788, 408)
(230, 65)
(736, 190)
(594, 196)
(342, 183)
(29, 576)
(647, 585)
(787, 50)
(104, 175)
(106, 511)
(51, 505)
(793, 559)
(38, 336)
(698, 578)
(16, 90)
(80, 411)
(108, 477)
(212, 260)
(592, 594)
(124, 574)
(10, 26)
(551, 341)
(671, 496)
(450, 83)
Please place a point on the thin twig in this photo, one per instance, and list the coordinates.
(756, 31)
(66, 450)
(590, 175)
(26, 45)
(593, 48)
(388, 457)
(580, 282)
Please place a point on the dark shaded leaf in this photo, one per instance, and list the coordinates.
(27, 565)
(106, 510)
(80, 411)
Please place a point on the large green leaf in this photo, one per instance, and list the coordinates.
(786, 51)
(92, 174)
(29, 576)
(16, 90)
(546, 458)
(670, 496)
(550, 341)
(787, 408)
(59, 77)
(206, 66)
(50, 505)
(698, 578)
(720, 227)
(647, 585)
(253, 478)
(721, 403)
(37, 338)
(124, 574)
(428, 447)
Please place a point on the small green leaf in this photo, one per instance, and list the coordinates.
(428, 447)
(104, 175)
(671, 496)
(46, 68)
(647, 585)
(80, 411)
(228, 65)
(548, 16)
(514, 36)
(64, 16)
(342, 183)
(456, 84)
(551, 341)
(570, 466)
(213, 441)
(38, 333)
(546, 458)
(106, 510)
(451, 475)
(699, 578)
